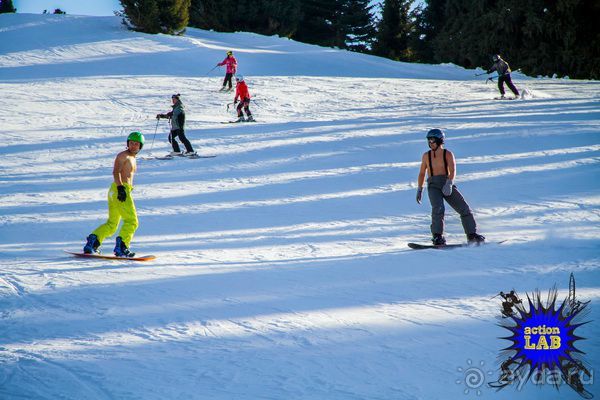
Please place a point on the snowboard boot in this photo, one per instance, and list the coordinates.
(189, 153)
(474, 238)
(92, 245)
(438, 240)
(250, 119)
(241, 119)
(121, 249)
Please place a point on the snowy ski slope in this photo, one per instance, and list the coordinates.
(283, 270)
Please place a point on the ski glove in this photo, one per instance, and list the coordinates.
(419, 194)
(447, 189)
(122, 194)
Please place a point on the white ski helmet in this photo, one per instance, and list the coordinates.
(239, 78)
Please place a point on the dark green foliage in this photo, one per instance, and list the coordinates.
(173, 15)
(357, 25)
(142, 15)
(394, 31)
(6, 6)
(542, 37)
(154, 16)
(317, 22)
(346, 24)
(268, 17)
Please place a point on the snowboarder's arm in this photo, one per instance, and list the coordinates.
(421, 179)
(118, 168)
(451, 165)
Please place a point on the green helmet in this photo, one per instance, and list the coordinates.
(136, 137)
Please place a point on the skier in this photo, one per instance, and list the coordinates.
(120, 202)
(510, 301)
(177, 120)
(503, 70)
(441, 166)
(231, 63)
(241, 92)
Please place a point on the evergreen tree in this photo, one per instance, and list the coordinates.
(316, 22)
(141, 15)
(357, 25)
(173, 15)
(268, 17)
(154, 16)
(6, 6)
(394, 29)
(211, 14)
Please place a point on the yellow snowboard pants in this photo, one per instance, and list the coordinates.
(118, 210)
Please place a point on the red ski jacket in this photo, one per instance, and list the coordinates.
(241, 91)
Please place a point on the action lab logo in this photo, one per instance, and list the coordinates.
(543, 341)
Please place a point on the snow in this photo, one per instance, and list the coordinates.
(282, 268)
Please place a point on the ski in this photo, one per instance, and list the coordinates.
(506, 98)
(236, 122)
(170, 157)
(111, 257)
(417, 246)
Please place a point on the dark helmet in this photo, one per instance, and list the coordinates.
(495, 57)
(136, 137)
(436, 134)
(230, 53)
(176, 96)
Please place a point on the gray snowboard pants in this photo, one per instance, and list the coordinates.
(455, 200)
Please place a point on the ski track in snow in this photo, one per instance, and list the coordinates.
(282, 269)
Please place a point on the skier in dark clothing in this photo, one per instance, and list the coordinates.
(503, 70)
(177, 120)
(441, 166)
(510, 300)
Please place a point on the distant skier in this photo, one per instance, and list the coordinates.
(177, 120)
(241, 92)
(120, 202)
(441, 165)
(231, 64)
(503, 70)
(510, 300)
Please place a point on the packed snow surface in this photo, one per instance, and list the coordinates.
(282, 267)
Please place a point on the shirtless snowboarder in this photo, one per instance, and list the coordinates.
(441, 165)
(120, 202)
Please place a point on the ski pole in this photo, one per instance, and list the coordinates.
(211, 70)
(229, 104)
(155, 129)
(484, 73)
